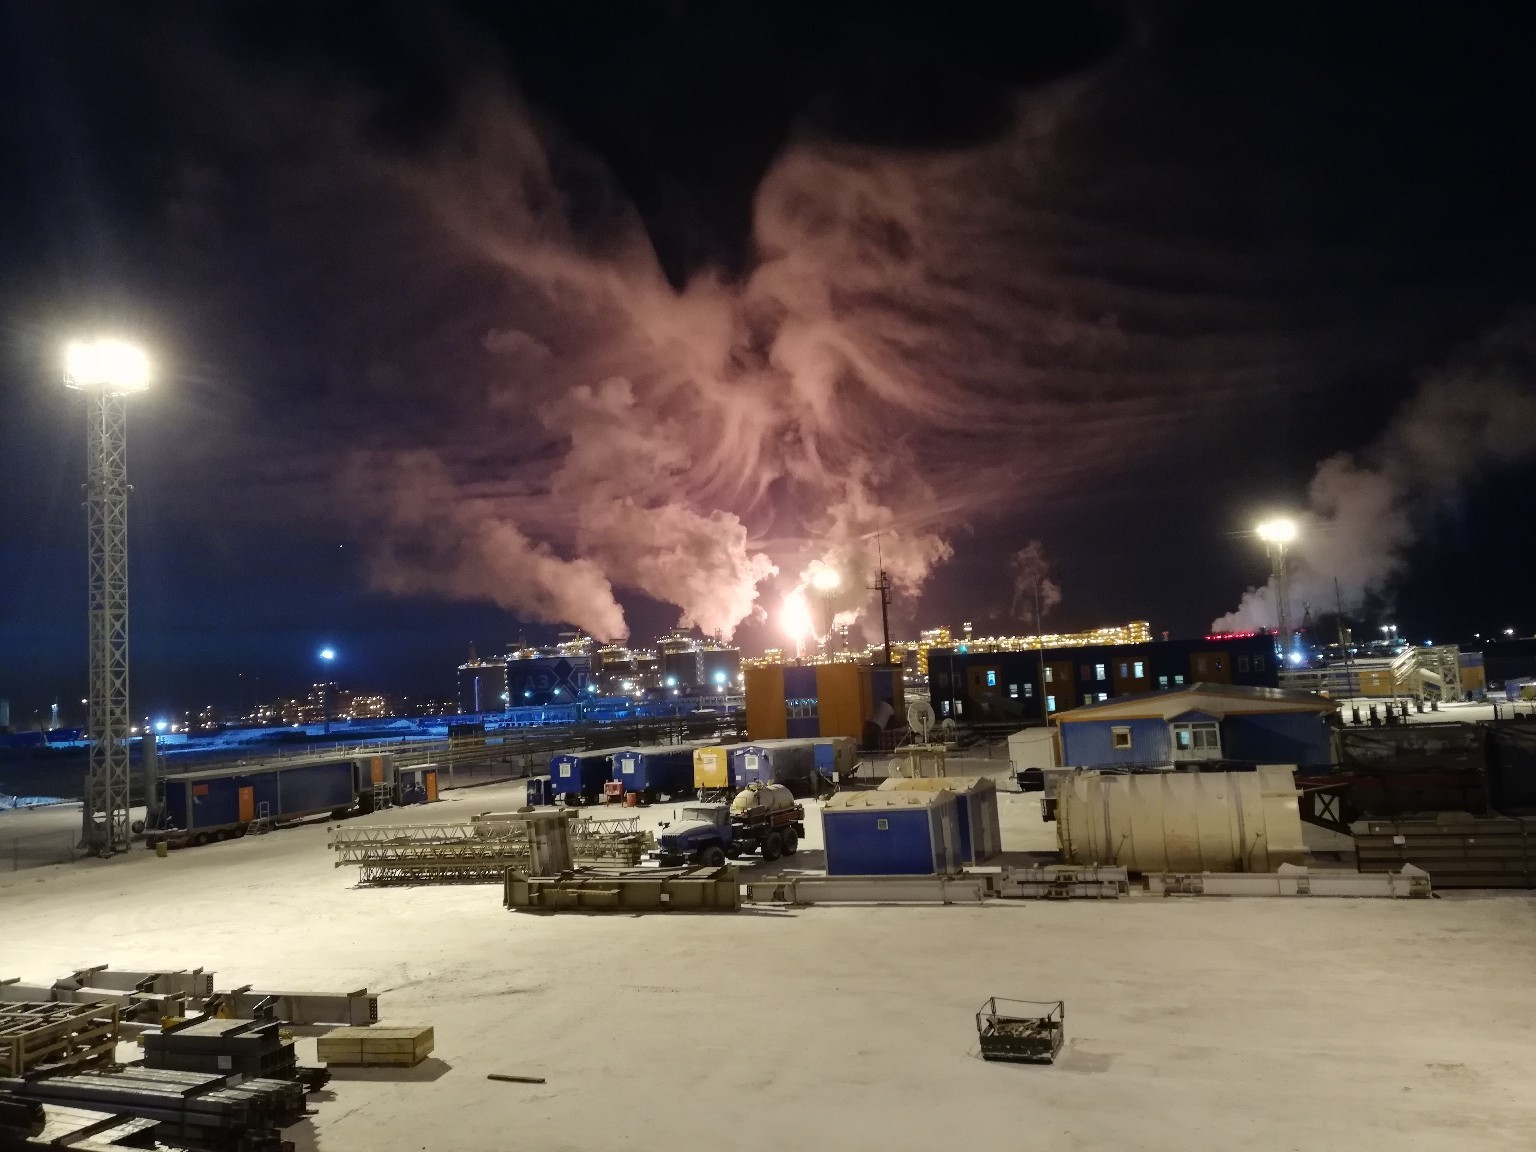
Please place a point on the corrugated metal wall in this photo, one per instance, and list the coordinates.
(1091, 743)
(1278, 738)
(765, 703)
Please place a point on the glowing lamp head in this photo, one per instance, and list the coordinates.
(327, 654)
(825, 579)
(1281, 531)
(105, 366)
(161, 725)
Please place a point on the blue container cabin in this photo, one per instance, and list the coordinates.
(980, 825)
(655, 770)
(899, 833)
(836, 756)
(791, 763)
(578, 777)
(218, 803)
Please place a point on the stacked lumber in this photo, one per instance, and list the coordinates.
(397, 1047)
(46, 1036)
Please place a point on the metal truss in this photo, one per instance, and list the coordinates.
(106, 828)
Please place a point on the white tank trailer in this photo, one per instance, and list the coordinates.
(762, 799)
(1181, 821)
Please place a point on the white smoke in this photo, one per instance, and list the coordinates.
(1366, 510)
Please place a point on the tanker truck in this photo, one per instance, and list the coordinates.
(763, 818)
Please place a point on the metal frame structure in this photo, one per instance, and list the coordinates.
(105, 814)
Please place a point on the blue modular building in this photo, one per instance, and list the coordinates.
(578, 777)
(1224, 722)
(980, 825)
(791, 763)
(895, 833)
(656, 770)
(217, 803)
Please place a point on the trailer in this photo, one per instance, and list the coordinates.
(791, 763)
(578, 777)
(714, 770)
(770, 824)
(652, 772)
(836, 756)
(223, 803)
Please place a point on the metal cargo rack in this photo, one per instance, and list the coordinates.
(647, 890)
(42, 1037)
(1021, 1031)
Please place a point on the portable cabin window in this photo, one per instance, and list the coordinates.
(1103, 696)
(1141, 670)
(1029, 691)
(1049, 675)
(1258, 663)
(1162, 681)
(1125, 670)
(1121, 738)
(1098, 672)
(944, 707)
(1050, 703)
(991, 677)
(1013, 691)
(1196, 741)
(1178, 679)
(1085, 672)
(802, 708)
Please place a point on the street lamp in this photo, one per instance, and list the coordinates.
(107, 371)
(1278, 534)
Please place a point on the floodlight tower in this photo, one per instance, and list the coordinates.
(1277, 536)
(107, 371)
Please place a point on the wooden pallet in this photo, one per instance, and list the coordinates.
(403, 1047)
(38, 1037)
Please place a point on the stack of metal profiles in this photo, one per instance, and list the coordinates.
(479, 852)
(1485, 852)
(249, 1048)
(186, 1109)
(42, 1037)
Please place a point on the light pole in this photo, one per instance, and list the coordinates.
(1277, 536)
(327, 658)
(107, 371)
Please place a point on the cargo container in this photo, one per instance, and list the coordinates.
(975, 806)
(654, 771)
(904, 833)
(578, 777)
(712, 766)
(416, 785)
(791, 763)
(220, 803)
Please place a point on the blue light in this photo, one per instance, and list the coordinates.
(527, 695)
(592, 688)
(160, 725)
(327, 654)
(719, 677)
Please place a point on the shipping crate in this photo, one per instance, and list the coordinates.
(49, 1036)
(400, 1047)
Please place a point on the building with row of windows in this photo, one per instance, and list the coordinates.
(1027, 687)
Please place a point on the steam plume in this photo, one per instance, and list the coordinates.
(1032, 584)
(1365, 511)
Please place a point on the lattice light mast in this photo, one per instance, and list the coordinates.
(1278, 536)
(107, 371)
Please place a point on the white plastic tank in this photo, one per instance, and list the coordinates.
(762, 798)
(1181, 821)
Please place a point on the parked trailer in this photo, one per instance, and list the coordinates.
(836, 756)
(221, 803)
(791, 763)
(654, 771)
(578, 777)
(714, 768)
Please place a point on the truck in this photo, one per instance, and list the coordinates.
(223, 803)
(763, 818)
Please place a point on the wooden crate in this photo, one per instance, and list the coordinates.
(400, 1046)
(38, 1036)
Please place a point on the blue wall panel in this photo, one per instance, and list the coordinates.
(858, 846)
(315, 788)
(1091, 744)
(1278, 738)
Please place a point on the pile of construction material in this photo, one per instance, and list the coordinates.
(144, 999)
(402, 1047)
(620, 890)
(253, 1049)
(482, 850)
(42, 1036)
(1461, 851)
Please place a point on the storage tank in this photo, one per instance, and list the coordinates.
(758, 798)
(788, 762)
(712, 767)
(1181, 821)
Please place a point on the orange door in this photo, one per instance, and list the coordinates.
(247, 804)
(377, 766)
(431, 785)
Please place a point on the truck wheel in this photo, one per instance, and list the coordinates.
(712, 858)
(773, 846)
(791, 841)
(199, 839)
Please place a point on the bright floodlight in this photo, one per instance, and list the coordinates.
(327, 654)
(108, 365)
(1277, 531)
(826, 579)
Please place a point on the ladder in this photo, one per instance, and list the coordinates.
(263, 822)
(381, 796)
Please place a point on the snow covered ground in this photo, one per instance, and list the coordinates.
(1192, 1024)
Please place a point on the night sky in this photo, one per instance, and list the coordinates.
(472, 319)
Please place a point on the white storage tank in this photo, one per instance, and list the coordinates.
(1181, 821)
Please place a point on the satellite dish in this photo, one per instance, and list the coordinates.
(920, 718)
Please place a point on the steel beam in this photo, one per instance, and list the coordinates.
(1291, 880)
(867, 890)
